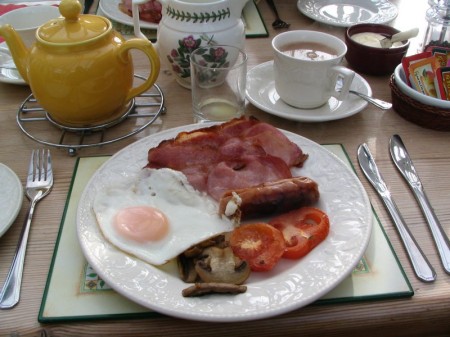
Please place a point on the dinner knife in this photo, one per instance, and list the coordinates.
(420, 263)
(406, 167)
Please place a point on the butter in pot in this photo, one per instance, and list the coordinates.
(371, 39)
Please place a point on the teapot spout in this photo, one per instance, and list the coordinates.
(236, 7)
(17, 48)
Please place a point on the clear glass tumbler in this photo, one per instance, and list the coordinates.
(218, 80)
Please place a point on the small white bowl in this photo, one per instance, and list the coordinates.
(26, 20)
(400, 81)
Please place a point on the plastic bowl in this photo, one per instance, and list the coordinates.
(372, 60)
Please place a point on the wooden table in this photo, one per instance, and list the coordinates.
(427, 313)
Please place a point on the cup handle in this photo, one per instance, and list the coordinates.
(149, 50)
(136, 24)
(345, 77)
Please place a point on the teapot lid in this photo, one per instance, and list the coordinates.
(73, 27)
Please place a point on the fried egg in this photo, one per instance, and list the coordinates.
(158, 216)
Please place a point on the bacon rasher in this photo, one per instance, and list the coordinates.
(237, 154)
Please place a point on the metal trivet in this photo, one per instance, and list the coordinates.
(141, 112)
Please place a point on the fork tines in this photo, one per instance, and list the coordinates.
(40, 165)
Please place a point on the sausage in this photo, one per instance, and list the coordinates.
(269, 198)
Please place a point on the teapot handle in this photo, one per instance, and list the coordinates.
(147, 48)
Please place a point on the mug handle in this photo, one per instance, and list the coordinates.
(149, 50)
(343, 78)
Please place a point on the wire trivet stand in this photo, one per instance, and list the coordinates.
(141, 112)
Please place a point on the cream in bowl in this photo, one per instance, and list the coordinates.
(363, 54)
(372, 39)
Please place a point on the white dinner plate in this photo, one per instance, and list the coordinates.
(261, 93)
(344, 13)
(11, 197)
(111, 9)
(8, 74)
(289, 286)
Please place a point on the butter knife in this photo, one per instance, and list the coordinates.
(420, 263)
(406, 167)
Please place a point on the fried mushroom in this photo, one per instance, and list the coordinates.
(213, 267)
(200, 289)
(220, 265)
(186, 268)
(187, 260)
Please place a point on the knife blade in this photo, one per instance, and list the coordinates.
(422, 267)
(403, 162)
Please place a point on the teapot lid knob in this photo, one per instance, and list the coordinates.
(70, 9)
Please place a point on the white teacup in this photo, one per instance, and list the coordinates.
(26, 20)
(308, 79)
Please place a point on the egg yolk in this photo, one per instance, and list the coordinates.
(141, 223)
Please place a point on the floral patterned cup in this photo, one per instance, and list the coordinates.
(218, 80)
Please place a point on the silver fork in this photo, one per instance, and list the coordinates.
(39, 183)
(278, 23)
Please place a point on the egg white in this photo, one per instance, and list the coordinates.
(192, 215)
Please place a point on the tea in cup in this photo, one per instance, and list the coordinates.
(306, 68)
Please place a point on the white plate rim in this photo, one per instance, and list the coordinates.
(387, 12)
(6, 75)
(257, 90)
(12, 187)
(116, 268)
(111, 10)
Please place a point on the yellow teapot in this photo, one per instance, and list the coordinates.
(79, 69)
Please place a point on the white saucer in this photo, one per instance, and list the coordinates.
(8, 74)
(11, 197)
(111, 9)
(262, 94)
(348, 12)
